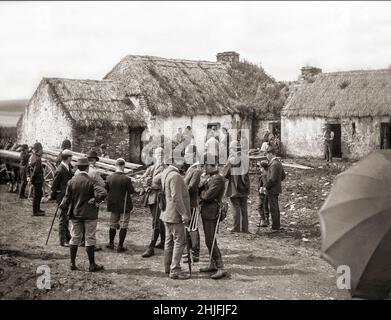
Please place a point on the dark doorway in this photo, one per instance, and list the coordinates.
(212, 129)
(275, 128)
(385, 136)
(336, 128)
(135, 144)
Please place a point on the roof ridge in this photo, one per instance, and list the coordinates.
(156, 58)
(81, 80)
(360, 71)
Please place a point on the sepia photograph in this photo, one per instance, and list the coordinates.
(195, 153)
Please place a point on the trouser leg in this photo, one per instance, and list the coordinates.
(168, 248)
(244, 213)
(179, 238)
(63, 226)
(37, 197)
(209, 230)
(23, 184)
(155, 225)
(274, 211)
(330, 151)
(236, 213)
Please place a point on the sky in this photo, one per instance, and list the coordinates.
(84, 40)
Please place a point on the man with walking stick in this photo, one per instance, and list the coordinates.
(83, 196)
(61, 177)
(212, 188)
(119, 204)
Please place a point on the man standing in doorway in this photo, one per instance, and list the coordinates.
(275, 175)
(328, 143)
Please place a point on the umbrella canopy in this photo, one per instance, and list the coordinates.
(356, 225)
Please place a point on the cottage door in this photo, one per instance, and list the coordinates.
(337, 150)
(385, 136)
(135, 144)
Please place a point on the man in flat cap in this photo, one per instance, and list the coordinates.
(119, 203)
(61, 177)
(37, 178)
(275, 175)
(82, 197)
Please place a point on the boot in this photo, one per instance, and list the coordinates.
(148, 253)
(179, 276)
(210, 268)
(221, 273)
(160, 245)
(112, 233)
(91, 258)
(122, 235)
(73, 251)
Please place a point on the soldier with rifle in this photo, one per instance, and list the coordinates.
(82, 198)
(212, 188)
(152, 191)
(61, 177)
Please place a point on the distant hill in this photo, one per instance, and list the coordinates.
(10, 111)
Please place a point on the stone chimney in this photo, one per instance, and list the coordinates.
(228, 57)
(308, 72)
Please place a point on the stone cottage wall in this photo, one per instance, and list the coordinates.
(44, 121)
(117, 141)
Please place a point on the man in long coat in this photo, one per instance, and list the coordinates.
(37, 178)
(61, 177)
(119, 204)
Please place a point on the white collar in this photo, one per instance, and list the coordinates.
(65, 165)
(176, 169)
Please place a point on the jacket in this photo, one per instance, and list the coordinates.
(118, 185)
(212, 192)
(238, 185)
(35, 164)
(24, 158)
(192, 180)
(275, 174)
(60, 181)
(149, 183)
(80, 190)
(95, 175)
(177, 197)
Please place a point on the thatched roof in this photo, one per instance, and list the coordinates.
(173, 87)
(90, 103)
(342, 94)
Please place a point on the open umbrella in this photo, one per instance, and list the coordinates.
(356, 225)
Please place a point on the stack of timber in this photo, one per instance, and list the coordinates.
(104, 166)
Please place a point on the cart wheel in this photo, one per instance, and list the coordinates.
(48, 175)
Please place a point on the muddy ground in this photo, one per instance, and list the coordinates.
(261, 265)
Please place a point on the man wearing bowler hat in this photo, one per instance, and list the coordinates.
(83, 197)
(119, 203)
(61, 177)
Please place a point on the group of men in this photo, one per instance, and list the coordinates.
(175, 202)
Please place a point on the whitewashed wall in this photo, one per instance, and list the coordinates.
(43, 121)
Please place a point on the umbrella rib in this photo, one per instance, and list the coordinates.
(352, 200)
(330, 260)
(357, 224)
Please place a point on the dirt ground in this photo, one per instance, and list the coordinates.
(261, 265)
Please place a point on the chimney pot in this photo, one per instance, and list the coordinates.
(308, 72)
(229, 57)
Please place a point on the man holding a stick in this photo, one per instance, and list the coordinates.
(212, 188)
(61, 177)
(119, 204)
(82, 197)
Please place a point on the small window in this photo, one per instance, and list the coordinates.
(353, 129)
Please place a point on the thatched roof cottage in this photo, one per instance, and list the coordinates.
(356, 104)
(153, 95)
